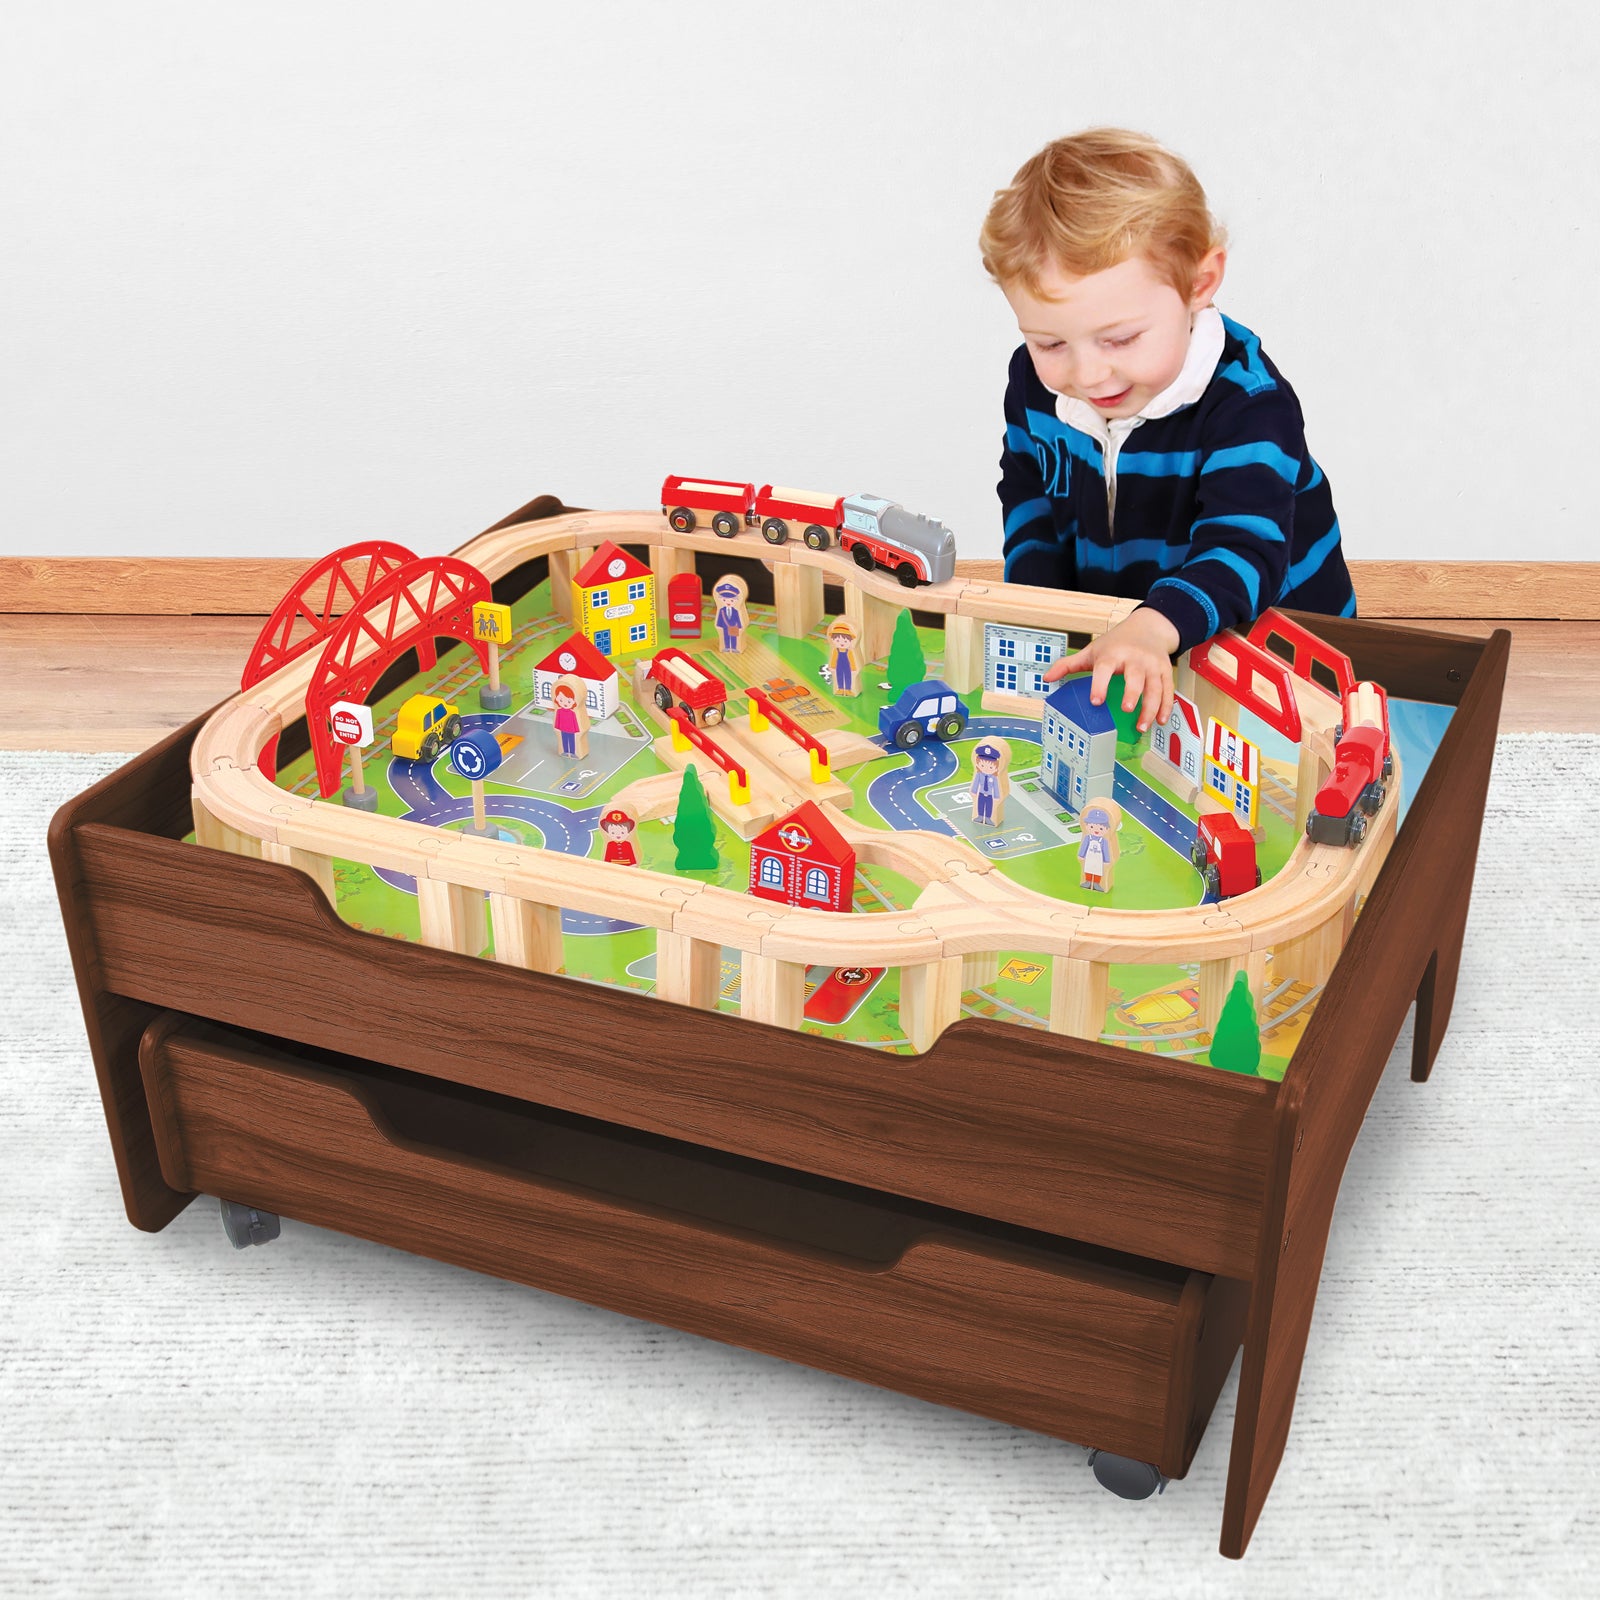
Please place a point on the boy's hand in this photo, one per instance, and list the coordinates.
(1140, 648)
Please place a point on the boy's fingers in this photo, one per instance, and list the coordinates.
(1132, 687)
(1103, 671)
(1062, 665)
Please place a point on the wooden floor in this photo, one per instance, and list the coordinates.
(120, 683)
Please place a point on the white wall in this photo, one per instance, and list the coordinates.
(276, 277)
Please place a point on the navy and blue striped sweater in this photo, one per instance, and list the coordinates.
(1214, 511)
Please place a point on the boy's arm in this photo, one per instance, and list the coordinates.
(1244, 520)
(1034, 552)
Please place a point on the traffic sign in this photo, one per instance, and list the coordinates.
(475, 755)
(352, 723)
(491, 621)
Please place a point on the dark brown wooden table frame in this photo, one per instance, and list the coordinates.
(955, 1224)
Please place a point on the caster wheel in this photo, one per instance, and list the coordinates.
(1128, 1480)
(245, 1226)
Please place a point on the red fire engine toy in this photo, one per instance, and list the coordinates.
(1224, 854)
(678, 679)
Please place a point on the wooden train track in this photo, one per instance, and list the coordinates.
(964, 907)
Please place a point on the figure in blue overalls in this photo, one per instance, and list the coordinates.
(843, 664)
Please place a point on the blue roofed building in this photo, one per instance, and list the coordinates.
(1078, 744)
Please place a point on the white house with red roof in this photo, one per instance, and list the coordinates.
(1177, 750)
(614, 601)
(576, 657)
(803, 860)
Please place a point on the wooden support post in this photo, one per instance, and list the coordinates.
(1310, 958)
(526, 934)
(1216, 979)
(1310, 775)
(688, 971)
(797, 593)
(771, 990)
(979, 971)
(963, 653)
(1079, 993)
(873, 619)
(452, 916)
(667, 561)
(930, 999)
(564, 566)
(219, 836)
(318, 868)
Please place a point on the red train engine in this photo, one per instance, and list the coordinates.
(1224, 854)
(1363, 764)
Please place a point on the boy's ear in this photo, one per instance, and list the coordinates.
(1208, 277)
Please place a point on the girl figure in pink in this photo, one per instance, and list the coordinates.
(568, 722)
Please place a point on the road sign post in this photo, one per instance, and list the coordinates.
(474, 756)
(491, 622)
(352, 727)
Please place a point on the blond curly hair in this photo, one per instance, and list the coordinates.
(1099, 197)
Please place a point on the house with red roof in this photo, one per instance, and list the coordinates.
(614, 601)
(576, 657)
(803, 860)
(1177, 749)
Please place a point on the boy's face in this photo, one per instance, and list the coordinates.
(1115, 338)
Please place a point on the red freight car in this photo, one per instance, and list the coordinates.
(1363, 763)
(729, 506)
(819, 516)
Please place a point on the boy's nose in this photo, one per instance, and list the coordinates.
(1092, 376)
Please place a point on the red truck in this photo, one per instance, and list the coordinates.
(678, 679)
(1224, 854)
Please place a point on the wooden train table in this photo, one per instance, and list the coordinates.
(996, 1209)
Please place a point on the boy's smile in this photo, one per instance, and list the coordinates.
(1115, 338)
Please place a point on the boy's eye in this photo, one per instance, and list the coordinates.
(1127, 339)
(1050, 344)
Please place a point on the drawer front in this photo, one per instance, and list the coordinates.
(1068, 1346)
(1149, 1157)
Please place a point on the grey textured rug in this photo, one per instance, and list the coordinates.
(326, 1417)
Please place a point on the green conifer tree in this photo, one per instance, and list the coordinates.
(1236, 1044)
(907, 664)
(694, 833)
(1127, 721)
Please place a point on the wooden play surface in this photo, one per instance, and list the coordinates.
(541, 798)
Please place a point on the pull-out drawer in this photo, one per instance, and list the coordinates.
(1108, 1350)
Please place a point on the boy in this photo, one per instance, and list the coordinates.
(1214, 509)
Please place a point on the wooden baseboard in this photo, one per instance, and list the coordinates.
(247, 587)
(1515, 591)
(219, 586)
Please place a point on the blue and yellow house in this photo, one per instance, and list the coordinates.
(614, 602)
